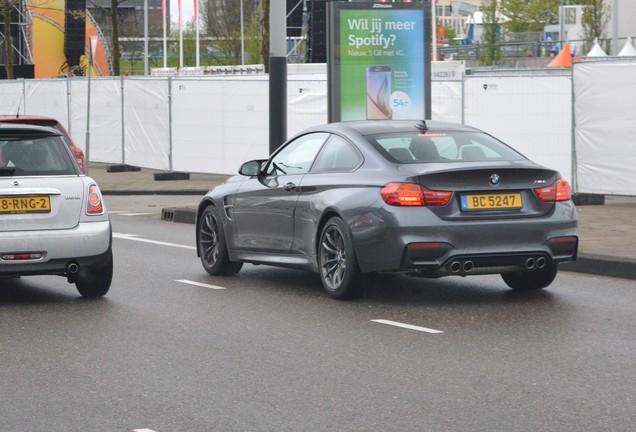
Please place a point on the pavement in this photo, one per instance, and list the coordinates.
(607, 232)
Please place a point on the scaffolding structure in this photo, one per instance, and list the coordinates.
(18, 35)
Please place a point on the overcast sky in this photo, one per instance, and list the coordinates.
(187, 8)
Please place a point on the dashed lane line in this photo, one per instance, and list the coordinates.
(199, 284)
(129, 213)
(135, 237)
(407, 326)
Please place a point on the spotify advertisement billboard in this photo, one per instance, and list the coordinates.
(379, 66)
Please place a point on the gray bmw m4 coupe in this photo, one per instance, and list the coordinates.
(426, 199)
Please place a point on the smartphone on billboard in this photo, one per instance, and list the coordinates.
(378, 92)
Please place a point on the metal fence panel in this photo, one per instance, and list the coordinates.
(532, 114)
(605, 106)
(146, 122)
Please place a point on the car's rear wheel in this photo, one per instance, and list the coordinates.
(534, 280)
(339, 271)
(213, 246)
(95, 281)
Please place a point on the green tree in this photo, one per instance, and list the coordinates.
(529, 16)
(253, 42)
(222, 21)
(594, 20)
(516, 13)
(112, 15)
(450, 34)
(265, 28)
(542, 13)
(489, 52)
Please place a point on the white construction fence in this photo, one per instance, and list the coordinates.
(578, 121)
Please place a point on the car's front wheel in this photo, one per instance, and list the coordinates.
(534, 280)
(213, 246)
(337, 261)
(95, 281)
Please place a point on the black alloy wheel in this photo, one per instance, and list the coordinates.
(212, 245)
(339, 271)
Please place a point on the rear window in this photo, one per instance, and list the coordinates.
(443, 147)
(38, 155)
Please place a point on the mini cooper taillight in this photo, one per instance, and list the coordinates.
(557, 191)
(94, 205)
(411, 195)
(79, 157)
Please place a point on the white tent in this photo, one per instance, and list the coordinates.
(596, 50)
(628, 49)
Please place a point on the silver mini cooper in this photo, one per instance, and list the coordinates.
(53, 220)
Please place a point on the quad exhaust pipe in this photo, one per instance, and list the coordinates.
(532, 263)
(457, 266)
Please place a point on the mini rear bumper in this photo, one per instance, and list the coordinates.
(87, 244)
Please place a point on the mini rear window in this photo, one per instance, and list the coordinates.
(34, 156)
(443, 147)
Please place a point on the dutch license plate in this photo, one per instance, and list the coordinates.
(491, 201)
(22, 204)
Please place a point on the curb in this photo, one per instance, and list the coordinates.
(600, 265)
(179, 214)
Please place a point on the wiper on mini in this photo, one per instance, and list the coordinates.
(7, 171)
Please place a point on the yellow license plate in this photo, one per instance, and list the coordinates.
(491, 201)
(22, 204)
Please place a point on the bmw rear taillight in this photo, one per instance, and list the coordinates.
(94, 205)
(412, 195)
(557, 191)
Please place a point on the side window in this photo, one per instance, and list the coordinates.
(297, 156)
(337, 155)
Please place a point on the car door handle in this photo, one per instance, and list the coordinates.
(289, 187)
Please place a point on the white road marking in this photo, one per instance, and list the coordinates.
(407, 326)
(142, 430)
(199, 284)
(135, 237)
(128, 213)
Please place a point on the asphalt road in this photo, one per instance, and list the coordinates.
(267, 350)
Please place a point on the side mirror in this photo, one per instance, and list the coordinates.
(251, 168)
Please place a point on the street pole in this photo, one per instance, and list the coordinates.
(92, 46)
(146, 37)
(561, 25)
(180, 35)
(434, 29)
(88, 120)
(196, 24)
(242, 37)
(165, 39)
(277, 74)
(615, 28)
